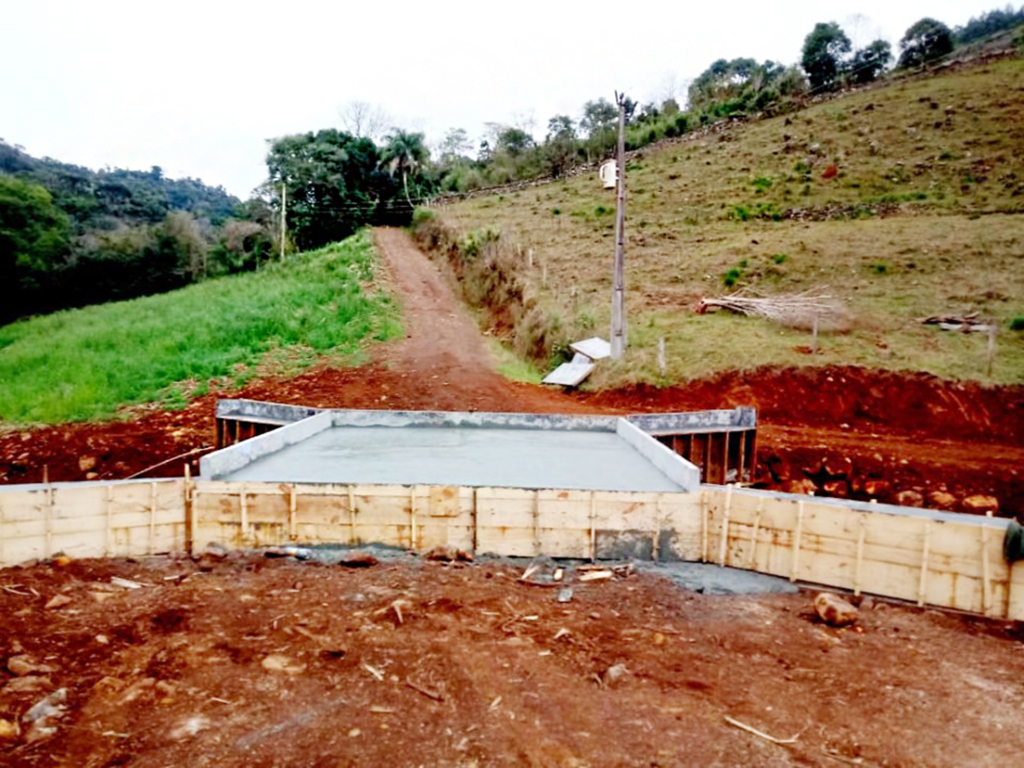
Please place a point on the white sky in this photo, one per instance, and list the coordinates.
(198, 87)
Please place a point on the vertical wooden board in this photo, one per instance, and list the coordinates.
(504, 508)
(268, 508)
(1013, 596)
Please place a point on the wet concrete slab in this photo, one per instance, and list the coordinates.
(481, 457)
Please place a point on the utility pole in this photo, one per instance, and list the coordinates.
(618, 272)
(284, 208)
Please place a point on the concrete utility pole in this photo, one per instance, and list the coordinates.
(284, 208)
(618, 340)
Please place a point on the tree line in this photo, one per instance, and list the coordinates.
(70, 236)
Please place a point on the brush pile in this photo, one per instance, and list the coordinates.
(816, 307)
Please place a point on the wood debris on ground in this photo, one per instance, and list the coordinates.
(808, 309)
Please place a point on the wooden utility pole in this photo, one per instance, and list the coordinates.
(284, 208)
(618, 340)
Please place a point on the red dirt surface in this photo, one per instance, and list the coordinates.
(482, 670)
(837, 426)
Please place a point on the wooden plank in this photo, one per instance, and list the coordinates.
(724, 537)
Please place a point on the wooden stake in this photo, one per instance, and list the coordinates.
(796, 540)
(536, 523)
(412, 518)
(293, 532)
(152, 518)
(986, 570)
(723, 550)
(657, 528)
(108, 547)
(593, 526)
(244, 514)
(529, 258)
(861, 532)
(704, 526)
(190, 514)
(922, 588)
(49, 511)
(476, 517)
(814, 334)
(662, 362)
(753, 535)
(352, 515)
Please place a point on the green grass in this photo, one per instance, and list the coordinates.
(87, 363)
(749, 208)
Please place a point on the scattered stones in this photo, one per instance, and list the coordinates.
(941, 500)
(215, 551)
(979, 504)
(877, 489)
(614, 675)
(23, 664)
(358, 558)
(806, 486)
(58, 601)
(836, 488)
(86, 463)
(834, 610)
(31, 684)
(448, 554)
(277, 662)
(910, 498)
(190, 727)
(9, 731)
(51, 706)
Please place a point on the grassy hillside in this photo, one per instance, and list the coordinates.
(922, 213)
(86, 363)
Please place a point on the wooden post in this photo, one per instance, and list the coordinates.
(476, 517)
(618, 269)
(593, 526)
(536, 523)
(991, 347)
(923, 586)
(152, 518)
(814, 333)
(49, 511)
(753, 535)
(189, 511)
(796, 540)
(704, 526)
(293, 532)
(243, 537)
(861, 532)
(723, 549)
(657, 528)
(986, 570)
(725, 459)
(742, 463)
(662, 362)
(108, 547)
(412, 518)
(352, 515)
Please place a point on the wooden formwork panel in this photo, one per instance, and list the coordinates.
(123, 519)
(950, 564)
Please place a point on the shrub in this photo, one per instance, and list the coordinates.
(421, 215)
(730, 278)
(1017, 324)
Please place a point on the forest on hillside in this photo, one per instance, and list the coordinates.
(71, 236)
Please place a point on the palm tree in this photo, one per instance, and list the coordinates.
(404, 152)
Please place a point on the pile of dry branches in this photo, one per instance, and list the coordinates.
(816, 307)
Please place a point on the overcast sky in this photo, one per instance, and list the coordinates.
(198, 87)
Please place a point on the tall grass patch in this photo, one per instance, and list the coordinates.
(85, 364)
